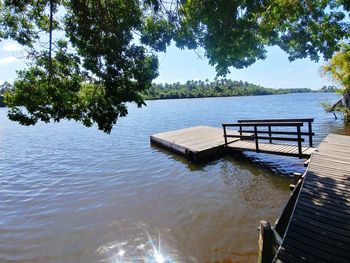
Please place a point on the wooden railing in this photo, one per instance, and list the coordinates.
(307, 121)
(253, 133)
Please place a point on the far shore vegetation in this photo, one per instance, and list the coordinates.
(219, 88)
(204, 89)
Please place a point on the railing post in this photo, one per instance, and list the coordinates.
(256, 138)
(300, 152)
(240, 132)
(310, 133)
(270, 133)
(223, 126)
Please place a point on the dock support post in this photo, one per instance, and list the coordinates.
(256, 138)
(223, 126)
(300, 151)
(296, 178)
(270, 134)
(265, 242)
(310, 134)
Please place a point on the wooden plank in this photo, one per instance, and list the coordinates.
(323, 169)
(259, 124)
(331, 156)
(319, 228)
(317, 216)
(314, 253)
(337, 181)
(305, 256)
(325, 206)
(323, 209)
(277, 120)
(317, 224)
(279, 149)
(336, 192)
(333, 148)
(340, 201)
(285, 256)
(324, 239)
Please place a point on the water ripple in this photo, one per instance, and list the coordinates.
(73, 194)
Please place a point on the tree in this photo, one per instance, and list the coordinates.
(103, 55)
(236, 33)
(90, 77)
(338, 68)
(4, 87)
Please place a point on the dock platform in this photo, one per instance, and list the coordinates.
(196, 143)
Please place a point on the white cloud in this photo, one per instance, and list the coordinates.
(8, 60)
(12, 46)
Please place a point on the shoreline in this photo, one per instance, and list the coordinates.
(251, 95)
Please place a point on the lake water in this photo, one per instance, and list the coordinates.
(74, 194)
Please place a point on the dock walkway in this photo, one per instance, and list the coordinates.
(271, 148)
(319, 226)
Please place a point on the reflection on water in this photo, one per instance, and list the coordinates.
(73, 194)
(142, 248)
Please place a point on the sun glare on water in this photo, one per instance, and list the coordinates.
(149, 252)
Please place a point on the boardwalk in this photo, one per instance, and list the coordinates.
(318, 229)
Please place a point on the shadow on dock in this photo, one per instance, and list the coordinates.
(314, 226)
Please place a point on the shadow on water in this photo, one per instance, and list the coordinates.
(273, 164)
(255, 163)
(190, 165)
(236, 169)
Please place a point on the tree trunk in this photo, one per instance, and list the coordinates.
(346, 104)
(346, 99)
(50, 40)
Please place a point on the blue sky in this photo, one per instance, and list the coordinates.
(181, 65)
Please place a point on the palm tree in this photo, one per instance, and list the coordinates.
(338, 69)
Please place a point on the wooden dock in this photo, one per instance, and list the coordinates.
(315, 224)
(202, 142)
(196, 143)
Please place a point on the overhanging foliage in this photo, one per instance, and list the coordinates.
(104, 51)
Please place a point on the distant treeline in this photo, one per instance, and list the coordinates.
(218, 88)
(201, 89)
